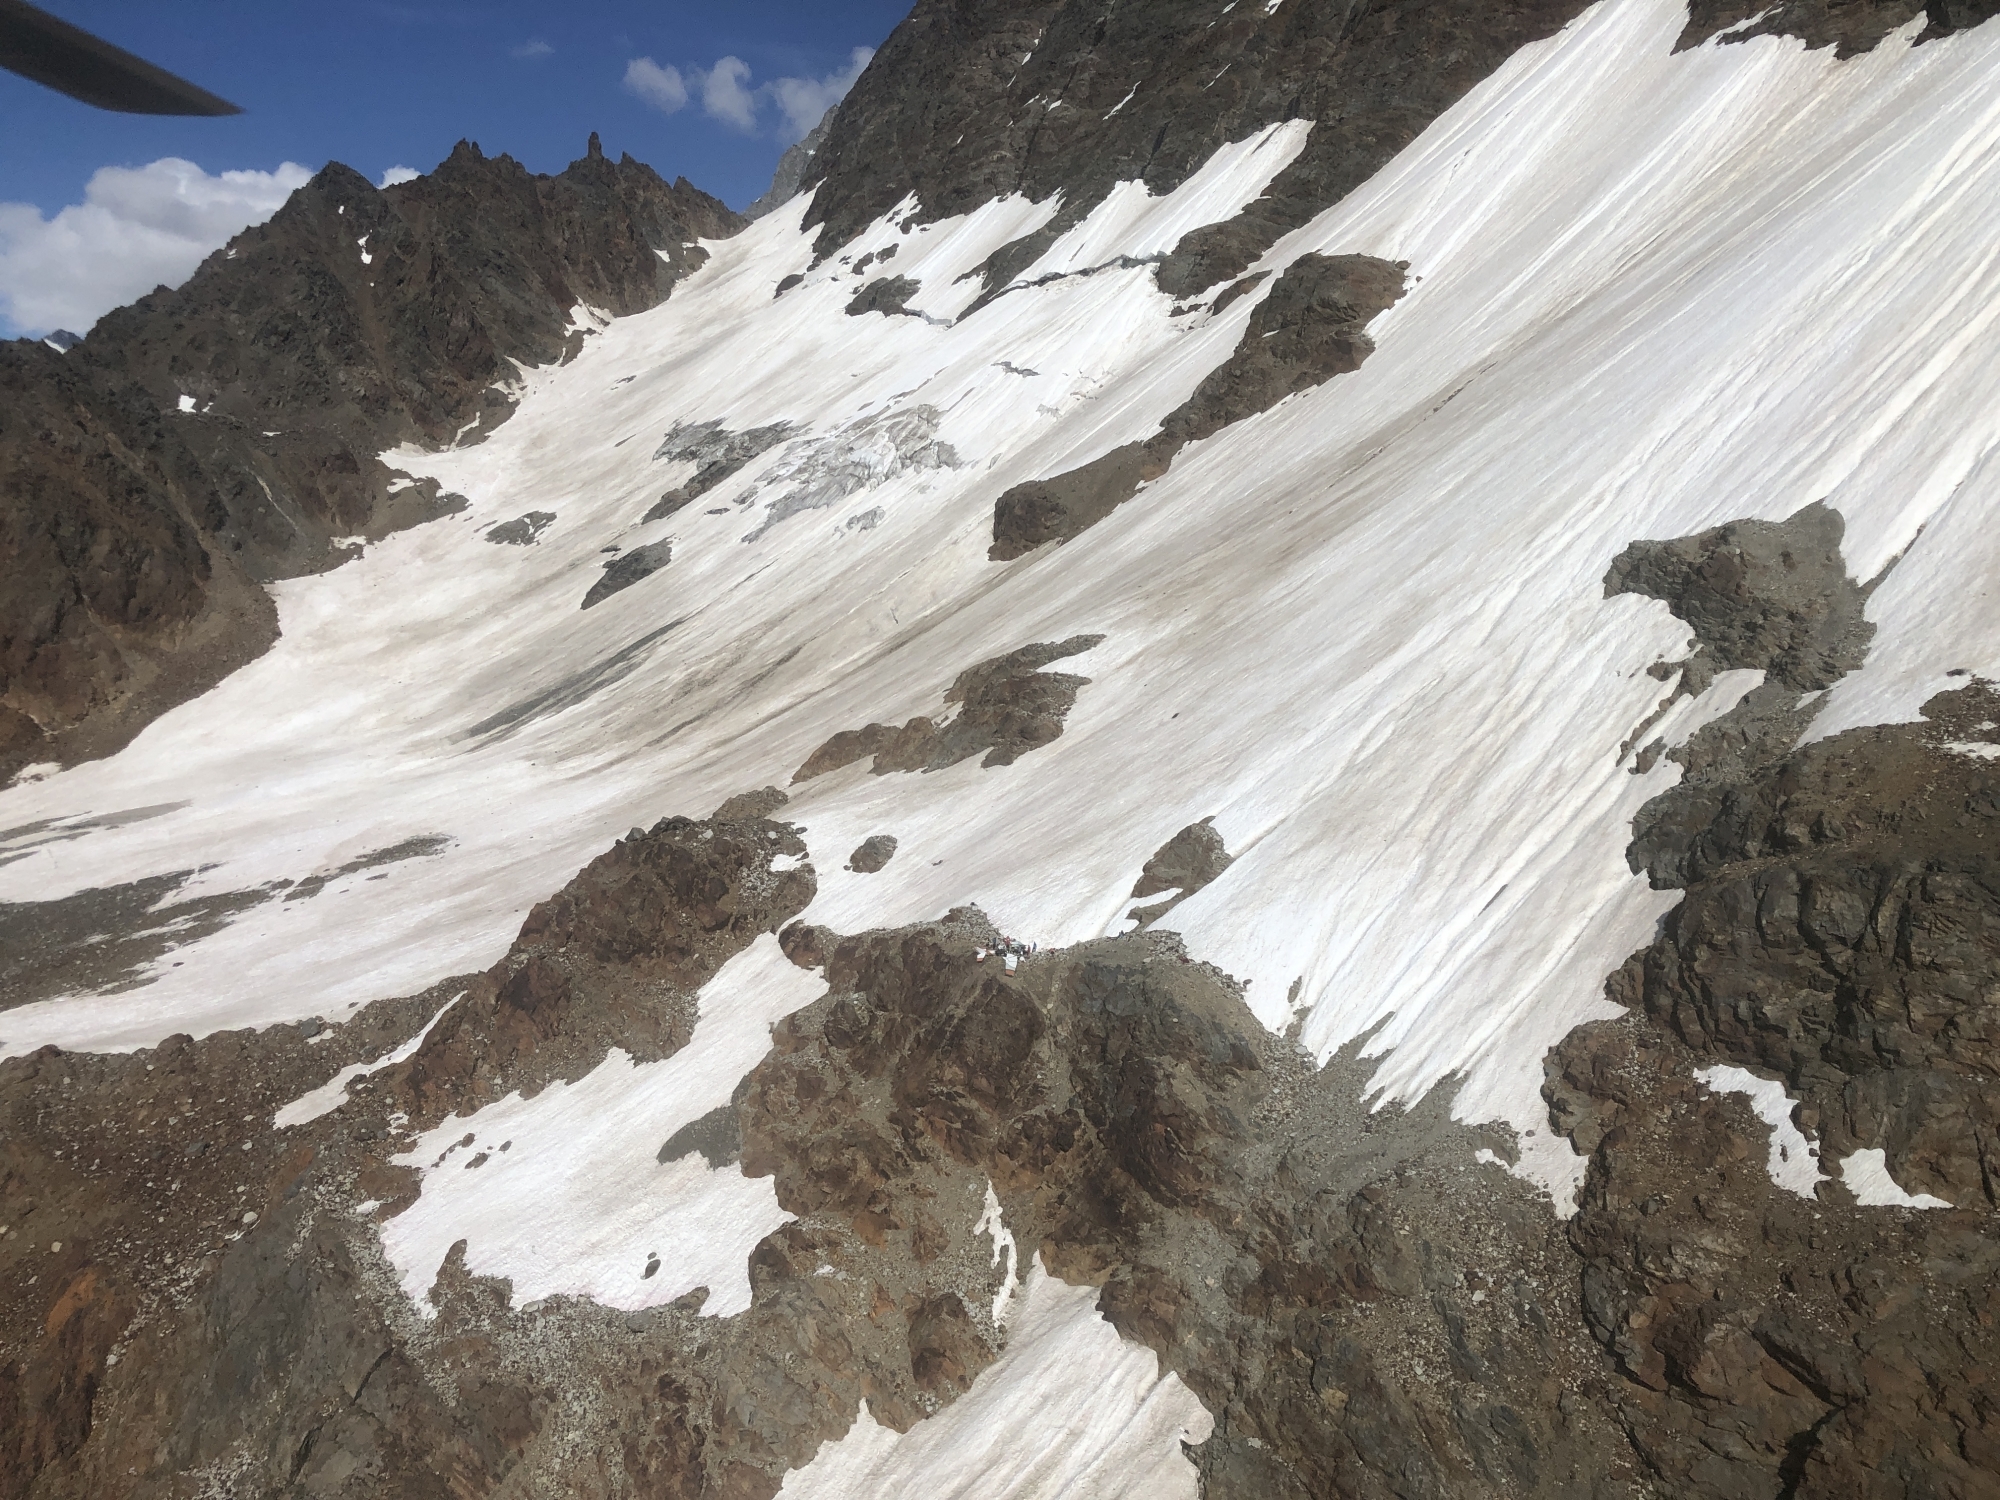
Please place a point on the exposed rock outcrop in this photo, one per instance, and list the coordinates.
(1007, 707)
(1840, 933)
(1769, 1344)
(224, 434)
(792, 170)
(1186, 863)
(1295, 1258)
(873, 854)
(964, 104)
(886, 295)
(1310, 327)
(1852, 26)
(628, 568)
(717, 454)
(522, 531)
(613, 959)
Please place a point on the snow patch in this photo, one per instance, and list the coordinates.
(580, 1201)
(1866, 1174)
(1794, 1161)
(330, 1095)
(991, 1223)
(1068, 1410)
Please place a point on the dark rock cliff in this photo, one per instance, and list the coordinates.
(224, 434)
(967, 102)
(1849, 25)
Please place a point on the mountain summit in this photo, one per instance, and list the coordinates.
(1257, 758)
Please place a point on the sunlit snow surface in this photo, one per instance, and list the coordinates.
(1068, 1412)
(1793, 1163)
(1867, 1174)
(578, 1201)
(1364, 631)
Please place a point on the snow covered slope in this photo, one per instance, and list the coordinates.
(1365, 633)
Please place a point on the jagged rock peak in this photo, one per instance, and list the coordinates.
(290, 360)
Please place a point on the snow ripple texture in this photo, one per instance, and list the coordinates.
(1364, 631)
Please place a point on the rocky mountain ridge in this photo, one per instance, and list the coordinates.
(463, 1241)
(211, 438)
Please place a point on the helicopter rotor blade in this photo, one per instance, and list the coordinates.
(37, 45)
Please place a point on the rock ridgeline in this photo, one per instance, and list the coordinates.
(205, 440)
(1852, 26)
(963, 104)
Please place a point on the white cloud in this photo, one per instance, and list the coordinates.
(663, 88)
(726, 93)
(805, 100)
(530, 51)
(137, 228)
(398, 174)
(724, 96)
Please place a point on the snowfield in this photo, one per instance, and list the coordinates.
(1364, 631)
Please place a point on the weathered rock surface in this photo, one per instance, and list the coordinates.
(218, 1318)
(1184, 864)
(628, 568)
(873, 854)
(615, 958)
(790, 175)
(1310, 327)
(717, 454)
(522, 531)
(1007, 707)
(886, 295)
(1769, 1344)
(965, 103)
(1840, 932)
(224, 434)
(1852, 26)
(1294, 1258)
(115, 606)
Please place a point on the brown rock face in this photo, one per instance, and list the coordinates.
(1840, 932)
(873, 854)
(615, 958)
(1850, 25)
(110, 586)
(1008, 706)
(1310, 327)
(1770, 1345)
(951, 112)
(1184, 864)
(136, 529)
(1363, 1311)
(886, 295)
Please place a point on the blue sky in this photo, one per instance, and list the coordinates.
(387, 85)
